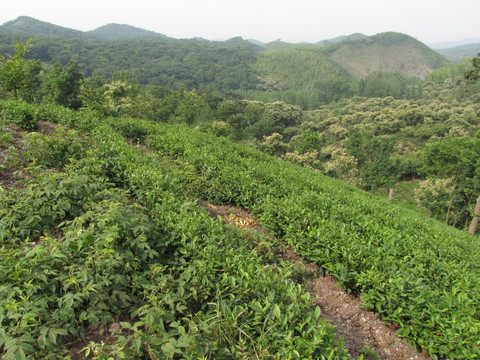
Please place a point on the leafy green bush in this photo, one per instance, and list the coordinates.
(21, 113)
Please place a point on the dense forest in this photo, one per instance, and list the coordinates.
(100, 214)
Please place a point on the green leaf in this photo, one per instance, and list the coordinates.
(20, 355)
(88, 240)
(168, 349)
(125, 325)
(276, 311)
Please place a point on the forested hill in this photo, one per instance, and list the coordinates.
(28, 26)
(25, 25)
(388, 52)
(121, 32)
(308, 75)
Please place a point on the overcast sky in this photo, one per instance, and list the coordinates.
(430, 21)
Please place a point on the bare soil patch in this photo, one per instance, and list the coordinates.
(46, 127)
(362, 331)
(233, 215)
(94, 336)
(8, 173)
(7, 178)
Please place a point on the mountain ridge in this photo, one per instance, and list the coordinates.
(41, 28)
(461, 52)
(25, 25)
(114, 31)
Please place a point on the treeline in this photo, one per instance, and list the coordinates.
(384, 143)
(182, 63)
(121, 95)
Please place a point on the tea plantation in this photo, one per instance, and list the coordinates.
(100, 224)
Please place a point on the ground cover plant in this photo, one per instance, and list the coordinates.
(413, 271)
(110, 235)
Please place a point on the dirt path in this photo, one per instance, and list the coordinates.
(362, 331)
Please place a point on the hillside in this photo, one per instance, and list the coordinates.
(297, 67)
(111, 32)
(110, 239)
(111, 236)
(389, 52)
(28, 26)
(460, 53)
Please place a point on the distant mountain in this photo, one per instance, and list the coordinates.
(342, 38)
(111, 32)
(452, 44)
(460, 53)
(389, 52)
(240, 42)
(254, 41)
(28, 26)
(281, 45)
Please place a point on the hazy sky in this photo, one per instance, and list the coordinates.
(430, 21)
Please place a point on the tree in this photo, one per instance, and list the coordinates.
(114, 98)
(274, 145)
(237, 123)
(473, 75)
(62, 85)
(282, 114)
(455, 158)
(307, 141)
(476, 215)
(373, 154)
(435, 195)
(32, 91)
(340, 164)
(14, 70)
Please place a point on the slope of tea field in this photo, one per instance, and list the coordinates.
(108, 233)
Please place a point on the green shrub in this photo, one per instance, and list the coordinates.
(21, 113)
